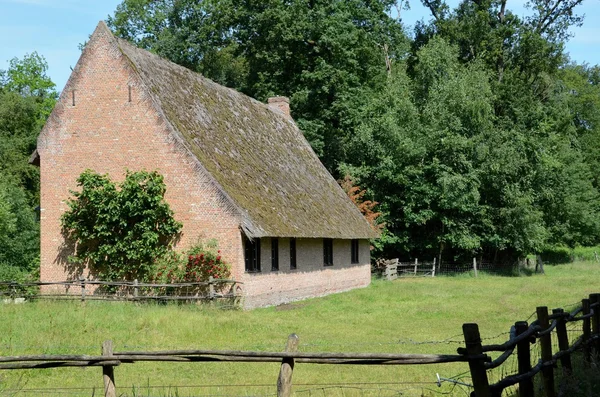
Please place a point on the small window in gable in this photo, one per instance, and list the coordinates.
(274, 254)
(252, 255)
(354, 251)
(328, 252)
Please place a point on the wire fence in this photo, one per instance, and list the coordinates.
(392, 269)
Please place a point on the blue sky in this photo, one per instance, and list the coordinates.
(54, 28)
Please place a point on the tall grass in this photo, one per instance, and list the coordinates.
(418, 315)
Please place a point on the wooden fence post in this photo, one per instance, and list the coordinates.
(595, 298)
(416, 264)
(82, 281)
(108, 371)
(136, 290)
(524, 360)
(211, 288)
(475, 266)
(546, 350)
(563, 342)
(433, 269)
(476, 366)
(587, 329)
(284, 382)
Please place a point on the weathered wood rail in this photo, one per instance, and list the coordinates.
(393, 269)
(474, 354)
(82, 289)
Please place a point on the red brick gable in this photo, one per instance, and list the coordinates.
(105, 121)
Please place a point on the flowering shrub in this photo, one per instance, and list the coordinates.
(197, 265)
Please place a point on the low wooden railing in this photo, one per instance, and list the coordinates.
(82, 289)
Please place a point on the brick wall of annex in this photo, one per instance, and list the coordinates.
(311, 278)
(108, 133)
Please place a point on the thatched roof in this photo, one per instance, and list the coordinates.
(258, 158)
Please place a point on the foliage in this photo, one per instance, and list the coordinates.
(27, 78)
(366, 207)
(19, 231)
(197, 264)
(27, 96)
(119, 229)
(476, 136)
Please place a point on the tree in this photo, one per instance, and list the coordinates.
(27, 97)
(120, 230)
(19, 231)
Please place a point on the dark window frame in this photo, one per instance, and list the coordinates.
(293, 259)
(252, 255)
(354, 251)
(274, 254)
(327, 252)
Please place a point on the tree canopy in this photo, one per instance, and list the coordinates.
(475, 133)
(27, 97)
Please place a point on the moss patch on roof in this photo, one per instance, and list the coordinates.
(260, 159)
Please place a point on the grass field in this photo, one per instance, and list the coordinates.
(394, 317)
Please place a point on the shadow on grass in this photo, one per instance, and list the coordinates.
(583, 382)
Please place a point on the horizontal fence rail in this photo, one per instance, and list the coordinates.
(522, 340)
(82, 289)
(391, 269)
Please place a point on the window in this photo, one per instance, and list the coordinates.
(354, 251)
(293, 254)
(274, 255)
(328, 252)
(252, 254)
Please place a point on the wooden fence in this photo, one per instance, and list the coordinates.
(82, 289)
(522, 335)
(392, 268)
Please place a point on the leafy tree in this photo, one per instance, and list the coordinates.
(119, 230)
(27, 97)
(19, 231)
(27, 77)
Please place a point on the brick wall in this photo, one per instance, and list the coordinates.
(106, 132)
(311, 278)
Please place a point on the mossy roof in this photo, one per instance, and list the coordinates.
(258, 158)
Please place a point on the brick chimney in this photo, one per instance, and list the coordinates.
(280, 104)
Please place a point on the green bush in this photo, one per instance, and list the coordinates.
(557, 255)
(119, 230)
(17, 275)
(562, 254)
